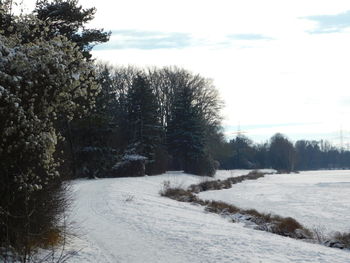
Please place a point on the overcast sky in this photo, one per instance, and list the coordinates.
(280, 65)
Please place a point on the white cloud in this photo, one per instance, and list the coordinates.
(295, 77)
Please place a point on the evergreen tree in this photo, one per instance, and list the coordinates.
(96, 135)
(186, 135)
(144, 128)
(68, 18)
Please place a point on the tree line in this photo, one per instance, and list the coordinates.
(281, 154)
(163, 117)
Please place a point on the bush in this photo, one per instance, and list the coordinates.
(129, 166)
(343, 238)
(221, 208)
(224, 184)
(203, 165)
(288, 225)
(177, 193)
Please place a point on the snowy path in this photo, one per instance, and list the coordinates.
(150, 228)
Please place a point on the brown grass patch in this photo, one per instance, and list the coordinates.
(343, 238)
(177, 193)
(221, 208)
(224, 184)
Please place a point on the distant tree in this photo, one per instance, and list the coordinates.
(243, 153)
(302, 155)
(282, 153)
(262, 155)
(309, 155)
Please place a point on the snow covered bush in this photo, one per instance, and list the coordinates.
(130, 166)
(40, 80)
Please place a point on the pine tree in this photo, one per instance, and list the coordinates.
(68, 18)
(144, 127)
(96, 135)
(186, 135)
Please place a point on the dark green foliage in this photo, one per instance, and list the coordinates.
(144, 127)
(138, 107)
(243, 152)
(160, 163)
(68, 18)
(186, 136)
(129, 166)
(280, 154)
(96, 137)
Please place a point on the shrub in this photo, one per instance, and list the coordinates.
(202, 165)
(319, 235)
(286, 225)
(224, 184)
(129, 166)
(221, 208)
(343, 238)
(177, 193)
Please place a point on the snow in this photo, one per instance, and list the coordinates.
(317, 199)
(134, 157)
(126, 220)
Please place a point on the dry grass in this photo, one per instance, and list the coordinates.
(287, 224)
(224, 184)
(177, 193)
(51, 238)
(284, 226)
(221, 207)
(343, 238)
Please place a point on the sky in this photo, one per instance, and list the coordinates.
(279, 65)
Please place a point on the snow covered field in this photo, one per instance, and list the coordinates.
(125, 220)
(317, 199)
